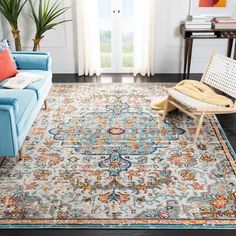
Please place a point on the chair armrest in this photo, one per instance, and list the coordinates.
(8, 134)
(32, 60)
(11, 102)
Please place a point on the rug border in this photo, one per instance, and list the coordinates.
(121, 227)
(232, 157)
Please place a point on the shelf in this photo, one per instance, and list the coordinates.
(220, 33)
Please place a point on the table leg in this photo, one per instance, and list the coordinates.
(190, 49)
(186, 48)
(230, 47)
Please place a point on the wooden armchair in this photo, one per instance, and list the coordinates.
(220, 74)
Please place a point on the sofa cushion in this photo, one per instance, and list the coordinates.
(7, 66)
(4, 44)
(27, 100)
(40, 87)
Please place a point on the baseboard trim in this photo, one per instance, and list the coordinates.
(119, 78)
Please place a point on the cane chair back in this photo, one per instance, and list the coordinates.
(221, 74)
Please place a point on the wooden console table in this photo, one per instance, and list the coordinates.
(188, 38)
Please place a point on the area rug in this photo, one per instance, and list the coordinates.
(100, 157)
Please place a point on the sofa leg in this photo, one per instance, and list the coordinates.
(21, 154)
(45, 104)
(2, 160)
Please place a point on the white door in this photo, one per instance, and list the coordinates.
(116, 35)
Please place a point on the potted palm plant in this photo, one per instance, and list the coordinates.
(11, 10)
(45, 18)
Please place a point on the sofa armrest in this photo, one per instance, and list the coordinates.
(11, 102)
(32, 60)
(8, 133)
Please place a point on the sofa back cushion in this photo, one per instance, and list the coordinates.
(32, 60)
(7, 66)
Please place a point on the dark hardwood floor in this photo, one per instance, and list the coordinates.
(120, 78)
(228, 123)
(117, 232)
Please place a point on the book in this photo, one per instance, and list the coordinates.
(203, 33)
(21, 80)
(226, 27)
(217, 25)
(225, 20)
(203, 36)
(224, 23)
(198, 27)
(188, 22)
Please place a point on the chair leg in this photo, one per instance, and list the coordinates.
(45, 104)
(200, 121)
(166, 108)
(21, 154)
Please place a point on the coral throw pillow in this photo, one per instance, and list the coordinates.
(7, 66)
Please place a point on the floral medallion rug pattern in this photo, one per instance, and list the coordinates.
(99, 157)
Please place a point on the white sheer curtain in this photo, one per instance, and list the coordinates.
(144, 36)
(88, 37)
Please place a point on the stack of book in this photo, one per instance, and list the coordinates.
(224, 23)
(198, 22)
(203, 35)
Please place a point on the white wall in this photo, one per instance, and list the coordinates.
(169, 44)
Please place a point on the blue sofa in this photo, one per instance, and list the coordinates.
(19, 108)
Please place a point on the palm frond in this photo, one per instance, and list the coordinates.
(52, 26)
(47, 14)
(11, 10)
